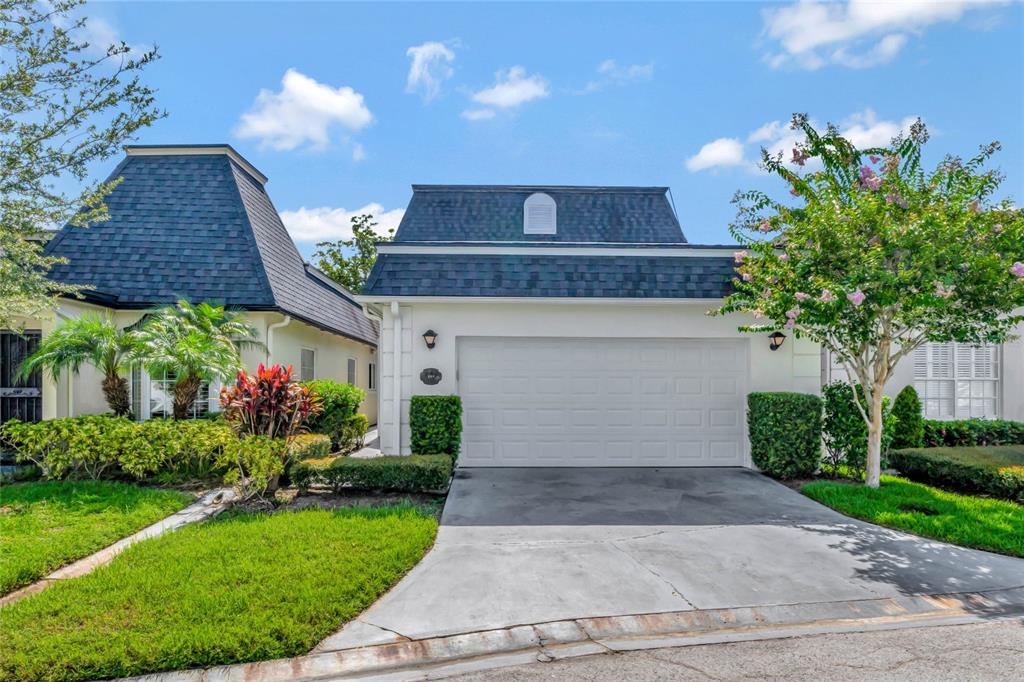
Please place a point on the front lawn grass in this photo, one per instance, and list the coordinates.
(243, 588)
(46, 525)
(983, 523)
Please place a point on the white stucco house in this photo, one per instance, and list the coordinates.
(573, 323)
(192, 222)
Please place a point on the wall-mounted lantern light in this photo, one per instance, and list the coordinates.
(430, 338)
(776, 339)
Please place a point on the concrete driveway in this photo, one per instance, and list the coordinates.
(524, 546)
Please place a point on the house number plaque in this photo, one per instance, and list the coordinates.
(430, 376)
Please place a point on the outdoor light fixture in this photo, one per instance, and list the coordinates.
(430, 338)
(776, 339)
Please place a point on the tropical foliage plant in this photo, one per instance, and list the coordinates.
(876, 255)
(195, 343)
(64, 105)
(268, 403)
(88, 340)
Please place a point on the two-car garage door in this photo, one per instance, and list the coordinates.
(602, 402)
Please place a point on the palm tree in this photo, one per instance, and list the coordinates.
(87, 340)
(194, 343)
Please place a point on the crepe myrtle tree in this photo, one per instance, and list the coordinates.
(875, 255)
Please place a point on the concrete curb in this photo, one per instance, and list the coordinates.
(444, 656)
(210, 504)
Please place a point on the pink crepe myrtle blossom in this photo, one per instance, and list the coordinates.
(856, 297)
(1017, 269)
(800, 156)
(893, 198)
(997, 228)
(827, 296)
(793, 312)
(790, 324)
(784, 257)
(974, 207)
(758, 313)
(794, 191)
(869, 179)
(892, 163)
(943, 291)
(875, 159)
(747, 276)
(740, 256)
(801, 296)
(765, 226)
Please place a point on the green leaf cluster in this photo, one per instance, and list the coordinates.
(435, 422)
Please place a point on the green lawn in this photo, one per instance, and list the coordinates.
(244, 588)
(46, 525)
(995, 525)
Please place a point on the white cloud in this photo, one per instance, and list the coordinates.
(478, 114)
(358, 152)
(610, 72)
(511, 89)
(304, 111)
(100, 34)
(331, 224)
(430, 66)
(863, 129)
(858, 33)
(720, 153)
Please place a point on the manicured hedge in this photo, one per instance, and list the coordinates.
(908, 431)
(995, 470)
(785, 433)
(340, 403)
(410, 474)
(436, 424)
(98, 447)
(972, 432)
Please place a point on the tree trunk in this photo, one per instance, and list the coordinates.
(186, 390)
(873, 467)
(115, 390)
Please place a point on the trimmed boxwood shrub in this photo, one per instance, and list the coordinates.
(963, 432)
(908, 432)
(993, 470)
(436, 424)
(785, 433)
(409, 474)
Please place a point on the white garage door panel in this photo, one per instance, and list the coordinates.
(602, 402)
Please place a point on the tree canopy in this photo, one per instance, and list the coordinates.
(349, 261)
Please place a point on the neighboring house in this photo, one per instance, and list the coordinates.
(195, 222)
(573, 322)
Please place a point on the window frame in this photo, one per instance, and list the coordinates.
(956, 381)
(302, 366)
(371, 376)
(352, 371)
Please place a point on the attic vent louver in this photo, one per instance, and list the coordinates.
(539, 214)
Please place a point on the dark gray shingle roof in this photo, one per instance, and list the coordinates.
(199, 226)
(477, 275)
(476, 213)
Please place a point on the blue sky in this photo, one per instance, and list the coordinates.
(344, 106)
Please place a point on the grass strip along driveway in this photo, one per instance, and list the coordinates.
(46, 525)
(982, 523)
(231, 590)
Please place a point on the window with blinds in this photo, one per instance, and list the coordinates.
(958, 381)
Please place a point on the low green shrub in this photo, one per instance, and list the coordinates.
(111, 447)
(964, 432)
(309, 446)
(994, 470)
(338, 402)
(253, 464)
(908, 431)
(785, 433)
(353, 433)
(410, 474)
(845, 432)
(436, 424)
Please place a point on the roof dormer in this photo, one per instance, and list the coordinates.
(540, 215)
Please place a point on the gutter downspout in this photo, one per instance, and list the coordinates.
(270, 333)
(396, 320)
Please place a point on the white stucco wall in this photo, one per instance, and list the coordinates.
(794, 367)
(83, 394)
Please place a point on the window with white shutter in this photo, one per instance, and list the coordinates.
(958, 381)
